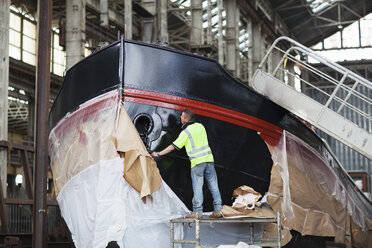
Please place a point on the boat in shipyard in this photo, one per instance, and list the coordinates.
(129, 86)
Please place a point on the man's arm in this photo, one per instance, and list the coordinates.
(163, 152)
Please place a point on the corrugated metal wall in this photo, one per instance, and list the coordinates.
(350, 160)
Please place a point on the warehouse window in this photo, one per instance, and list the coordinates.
(353, 42)
(320, 5)
(22, 42)
(366, 31)
(350, 35)
(333, 41)
(22, 38)
(29, 42)
(15, 36)
(58, 55)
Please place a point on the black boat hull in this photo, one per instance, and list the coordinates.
(157, 83)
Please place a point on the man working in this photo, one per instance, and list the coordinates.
(194, 138)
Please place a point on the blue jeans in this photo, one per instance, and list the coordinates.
(197, 176)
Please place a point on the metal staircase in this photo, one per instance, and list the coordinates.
(346, 111)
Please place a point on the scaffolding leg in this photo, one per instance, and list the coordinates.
(279, 230)
(172, 235)
(197, 233)
(251, 234)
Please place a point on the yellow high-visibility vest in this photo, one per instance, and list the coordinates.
(195, 140)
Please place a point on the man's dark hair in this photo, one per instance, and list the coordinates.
(189, 114)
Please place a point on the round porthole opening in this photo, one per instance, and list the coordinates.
(144, 124)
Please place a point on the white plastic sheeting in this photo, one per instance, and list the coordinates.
(248, 201)
(97, 203)
(99, 206)
(280, 158)
(291, 148)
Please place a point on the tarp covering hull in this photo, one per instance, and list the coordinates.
(99, 206)
(90, 149)
(313, 199)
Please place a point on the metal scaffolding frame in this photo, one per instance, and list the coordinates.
(211, 221)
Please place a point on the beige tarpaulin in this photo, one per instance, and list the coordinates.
(316, 211)
(243, 190)
(140, 169)
(246, 207)
(242, 211)
(257, 212)
(98, 131)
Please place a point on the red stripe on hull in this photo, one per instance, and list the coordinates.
(85, 111)
(269, 132)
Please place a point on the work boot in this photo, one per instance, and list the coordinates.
(216, 215)
(194, 215)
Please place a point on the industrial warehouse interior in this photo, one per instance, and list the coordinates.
(283, 89)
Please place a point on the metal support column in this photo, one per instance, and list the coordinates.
(256, 46)
(104, 13)
(196, 23)
(42, 102)
(269, 61)
(128, 31)
(209, 20)
(220, 35)
(244, 59)
(149, 27)
(264, 47)
(305, 76)
(291, 73)
(250, 50)
(31, 118)
(237, 51)
(75, 31)
(230, 6)
(148, 30)
(3, 219)
(164, 37)
(4, 82)
(276, 57)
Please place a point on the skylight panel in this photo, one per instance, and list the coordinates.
(320, 5)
